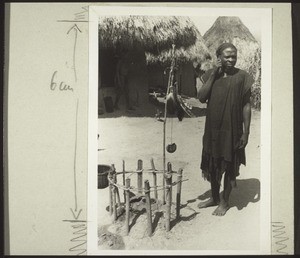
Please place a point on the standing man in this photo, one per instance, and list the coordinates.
(121, 81)
(227, 91)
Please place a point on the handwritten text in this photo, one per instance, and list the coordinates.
(62, 86)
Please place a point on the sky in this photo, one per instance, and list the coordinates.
(203, 23)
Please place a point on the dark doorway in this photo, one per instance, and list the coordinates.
(107, 67)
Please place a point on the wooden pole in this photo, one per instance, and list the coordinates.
(148, 207)
(164, 150)
(116, 188)
(178, 196)
(154, 179)
(117, 192)
(170, 82)
(140, 176)
(127, 201)
(124, 193)
(168, 177)
(114, 198)
(110, 175)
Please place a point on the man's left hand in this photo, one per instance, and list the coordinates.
(243, 140)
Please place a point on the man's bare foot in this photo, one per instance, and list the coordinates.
(207, 203)
(221, 209)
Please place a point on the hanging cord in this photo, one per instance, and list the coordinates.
(171, 129)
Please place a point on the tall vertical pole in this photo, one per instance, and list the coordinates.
(164, 150)
(170, 82)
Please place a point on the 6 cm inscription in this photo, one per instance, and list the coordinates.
(62, 86)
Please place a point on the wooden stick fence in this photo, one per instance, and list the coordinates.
(139, 190)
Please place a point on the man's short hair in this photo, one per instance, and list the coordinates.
(224, 46)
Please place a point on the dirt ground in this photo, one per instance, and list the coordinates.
(133, 136)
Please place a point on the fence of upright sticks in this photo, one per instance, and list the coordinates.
(145, 192)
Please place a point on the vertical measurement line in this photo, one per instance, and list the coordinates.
(75, 154)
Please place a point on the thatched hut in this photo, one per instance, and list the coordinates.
(232, 29)
(137, 35)
(191, 61)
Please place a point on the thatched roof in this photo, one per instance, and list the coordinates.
(150, 33)
(225, 29)
(197, 53)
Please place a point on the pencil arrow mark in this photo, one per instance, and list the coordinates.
(76, 214)
(74, 27)
(76, 30)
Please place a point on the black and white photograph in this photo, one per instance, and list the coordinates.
(179, 131)
(149, 129)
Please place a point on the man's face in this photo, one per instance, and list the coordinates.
(228, 58)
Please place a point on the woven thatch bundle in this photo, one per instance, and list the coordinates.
(231, 29)
(197, 53)
(150, 33)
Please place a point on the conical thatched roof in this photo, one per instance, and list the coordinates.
(231, 29)
(150, 33)
(198, 53)
(225, 29)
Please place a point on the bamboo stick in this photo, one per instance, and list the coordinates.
(117, 191)
(140, 176)
(115, 181)
(168, 196)
(127, 201)
(178, 196)
(154, 179)
(114, 199)
(124, 192)
(164, 152)
(148, 207)
(110, 175)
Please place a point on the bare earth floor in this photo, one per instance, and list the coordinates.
(133, 138)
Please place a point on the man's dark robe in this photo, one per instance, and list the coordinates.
(224, 124)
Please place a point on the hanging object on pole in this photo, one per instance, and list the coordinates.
(171, 147)
(175, 105)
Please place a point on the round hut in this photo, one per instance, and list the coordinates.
(231, 29)
(132, 36)
(192, 62)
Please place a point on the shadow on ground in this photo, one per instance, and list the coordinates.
(181, 218)
(247, 191)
